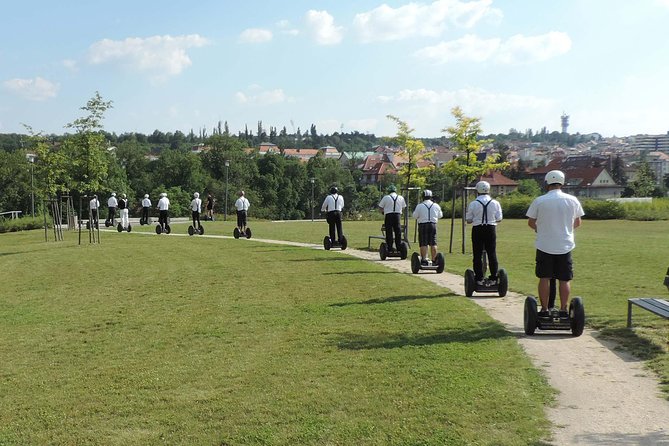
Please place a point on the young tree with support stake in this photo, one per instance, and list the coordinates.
(467, 142)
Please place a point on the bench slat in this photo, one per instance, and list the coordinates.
(656, 306)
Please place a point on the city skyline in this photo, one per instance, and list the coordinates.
(343, 67)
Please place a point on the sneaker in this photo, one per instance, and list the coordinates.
(544, 313)
(492, 281)
(480, 282)
(424, 262)
(563, 313)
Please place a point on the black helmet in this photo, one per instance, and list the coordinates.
(334, 190)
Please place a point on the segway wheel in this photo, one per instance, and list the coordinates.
(576, 316)
(344, 242)
(415, 263)
(441, 263)
(119, 227)
(88, 225)
(129, 227)
(167, 229)
(200, 230)
(383, 251)
(530, 315)
(236, 232)
(248, 232)
(502, 282)
(191, 230)
(107, 223)
(404, 250)
(470, 283)
(327, 243)
(159, 230)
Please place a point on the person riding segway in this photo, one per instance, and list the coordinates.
(333, 206)
(427, 215)
(392, 206)
(94, 206)
(163, 208)
(196, 207)
(554, 216)
(242, 205)
(146, 206)
(124, 224)
(484, 213)
(112, 203)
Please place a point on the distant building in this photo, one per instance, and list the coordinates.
(564, 122)
(659, 164)
(652, 143)
(499, 184)
(268, 147)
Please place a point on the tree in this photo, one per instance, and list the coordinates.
(618, 171)
(644, 182)
(411, 149)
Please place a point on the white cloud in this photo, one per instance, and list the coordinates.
(321, 27)
(37, 89)
(286, 28)
(258, 96)
(517, 49)
(523, 49)
(71, 65)
(663, 3)
(160, 56)
(255, 35)
(385, 23)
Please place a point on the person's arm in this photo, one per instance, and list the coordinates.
(469, 216)
(532, 223)
(324, 207)
(498, 215)
(577, 222)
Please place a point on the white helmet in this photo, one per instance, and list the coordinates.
(113, 194)
(124, 196)
(163, 194)
(427, 193)
(146, 195)
(554, 177)
(483, 187)
(196, 195)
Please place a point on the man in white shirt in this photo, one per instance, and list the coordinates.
(146, 205)
(483, 214)
(554, 216)
(196, 208)
(333, 205)
(112, 203)
(242, 205)
(163, 208)
(94, 205)
(392, 206)
(123, 207)
(428, 214)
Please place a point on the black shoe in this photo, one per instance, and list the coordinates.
(544, 313)
(563, 313)
(424, 262)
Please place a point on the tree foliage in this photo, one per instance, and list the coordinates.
(413, 151)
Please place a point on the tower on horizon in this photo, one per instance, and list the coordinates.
(564, 120)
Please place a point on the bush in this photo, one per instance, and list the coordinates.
(658, 209)
(603, 210)
(21, 224)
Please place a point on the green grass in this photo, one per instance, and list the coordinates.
(613, 261)
(173, 340)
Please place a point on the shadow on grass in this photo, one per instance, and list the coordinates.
(328, 259)
(390, 299)
(359, 272)
(624, 438)
(488, 330)
(638, 346)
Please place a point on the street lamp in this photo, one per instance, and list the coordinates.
(227, 165)
(31, 159)
(312, 179)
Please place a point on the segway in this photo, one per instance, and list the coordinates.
(437, 266)
(328, 243)
(573, 320)
(402, 253)
(108, 223)
(237, 233)
(143, 222)
(192, 230)
(500, 287)
(88, 225)
(120, 228)
(163, 229)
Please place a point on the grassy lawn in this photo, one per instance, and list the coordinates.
(173, 340)
(614, 260)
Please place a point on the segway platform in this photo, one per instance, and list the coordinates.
(120, 228)
(161, 230)
(237, 233)
(329, 243)
(437, 266)
(500, 287)
(384, 252)
(108, 223)
(553, 319)
(193, 231)
(143, 222)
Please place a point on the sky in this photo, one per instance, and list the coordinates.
(340, 65)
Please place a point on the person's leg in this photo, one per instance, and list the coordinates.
(397, 228)
(422, 242)
(544, 270)
(544, 287)
(433, 240)
(477, 252)
(331, 225)
(388, 222)
(244, 220)
(490, 242)
(565, 291)
(126, 219)
(192, 215)
(340, 232)
(197, 218)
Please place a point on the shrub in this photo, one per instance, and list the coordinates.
(21, 224)
(603, 210)
(658, 209)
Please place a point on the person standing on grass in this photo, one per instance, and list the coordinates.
(196, 208)
(554, 216)
(112, 203)
(123, 207)
(427, 214)
(163, 208)
(242, 205)
(210, 207)
(94, 205)
(146, 205)
(483, 214)
(333, 205)
(392, 206)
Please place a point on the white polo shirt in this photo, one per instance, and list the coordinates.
(333, 202)
(94, 203)
(112, 203)
(555, 213)
(392, 203)
(242, 204)
(475, 211)
(196, 205)
(428, 212)
(164, 204)
(146, 203)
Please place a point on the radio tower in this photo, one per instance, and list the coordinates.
(564, 119)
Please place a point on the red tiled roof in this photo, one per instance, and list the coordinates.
(497, 179)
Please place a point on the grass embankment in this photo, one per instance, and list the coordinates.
(172, 340)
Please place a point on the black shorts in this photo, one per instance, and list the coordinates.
(427, 234)
(554, 266)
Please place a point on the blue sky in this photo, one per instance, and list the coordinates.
(173, 65)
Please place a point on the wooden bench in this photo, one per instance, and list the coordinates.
(13, 214)
(654, 305)
(381, 237)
